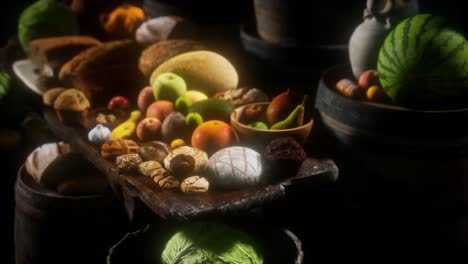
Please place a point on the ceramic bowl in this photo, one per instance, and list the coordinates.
(251, 136)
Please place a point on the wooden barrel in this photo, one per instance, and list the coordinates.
(299, 22)
(427, 150)
(55, 228)
(145, 246)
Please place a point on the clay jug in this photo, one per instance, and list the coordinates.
(380, 16)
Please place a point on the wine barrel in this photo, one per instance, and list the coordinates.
(145, 246)
(55, 228)
(426, 149)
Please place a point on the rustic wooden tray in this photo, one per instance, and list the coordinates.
(169, 203)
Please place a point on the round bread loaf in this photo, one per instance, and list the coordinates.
(234, 168)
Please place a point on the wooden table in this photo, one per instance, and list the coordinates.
(168, 203)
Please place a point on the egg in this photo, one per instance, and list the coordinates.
(235, 167)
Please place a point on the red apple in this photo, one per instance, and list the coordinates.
(118, 103)
(367, 79)
(145, 98)
(160, 109)
(148, 129)
(253, 113)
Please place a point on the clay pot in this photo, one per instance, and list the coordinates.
(380, 17)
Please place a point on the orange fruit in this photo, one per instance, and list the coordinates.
(213, 135)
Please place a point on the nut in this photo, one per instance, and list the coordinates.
(182, 165)
(195, 184)
(168, 182)
(128, 163)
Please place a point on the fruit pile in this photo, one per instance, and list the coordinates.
(177, 129)
(283, 112)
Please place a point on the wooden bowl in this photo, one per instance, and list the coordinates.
(254, 137)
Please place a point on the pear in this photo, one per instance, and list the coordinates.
(281, 106)
(294, 119)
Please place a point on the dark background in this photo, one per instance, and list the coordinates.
(347, 15)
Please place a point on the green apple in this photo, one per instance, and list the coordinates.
(196, 96)
(168, 86)
(182, 104)
(193, 119)
(258, 125)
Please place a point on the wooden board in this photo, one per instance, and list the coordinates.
(175, 204)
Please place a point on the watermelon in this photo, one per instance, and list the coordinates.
(423, 59)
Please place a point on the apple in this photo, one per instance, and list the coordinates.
(253, 113)
(160, 109)
(168, 86)
(367, 79)
(182, 104)
(118, 103)
(145, 98)
(193, 119)
(148, 129)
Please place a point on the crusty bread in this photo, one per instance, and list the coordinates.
(56, 51)
(156, 54)
(108, 54)
(42, 157)
(104, 71)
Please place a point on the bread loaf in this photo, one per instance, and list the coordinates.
(105, 70)
(56, 51)
(156, 54)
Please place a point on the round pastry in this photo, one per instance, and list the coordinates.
(128, 163)
(194, 184)
(49, 97)
(154, 150)
(200, 157)
(113, 148)
(234, 168)
(284, 155)
(71, 107)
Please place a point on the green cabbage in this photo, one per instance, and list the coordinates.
(46, 18)
(211, 243)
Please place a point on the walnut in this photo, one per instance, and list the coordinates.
(182, 165)
(195, 184)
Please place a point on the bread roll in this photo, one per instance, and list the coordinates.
(103, 71)
(56, 51)
(156, 54)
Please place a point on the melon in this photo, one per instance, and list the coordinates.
(423, 59)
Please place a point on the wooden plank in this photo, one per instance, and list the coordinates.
(174, 203)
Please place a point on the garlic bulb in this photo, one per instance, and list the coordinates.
(99, 134)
